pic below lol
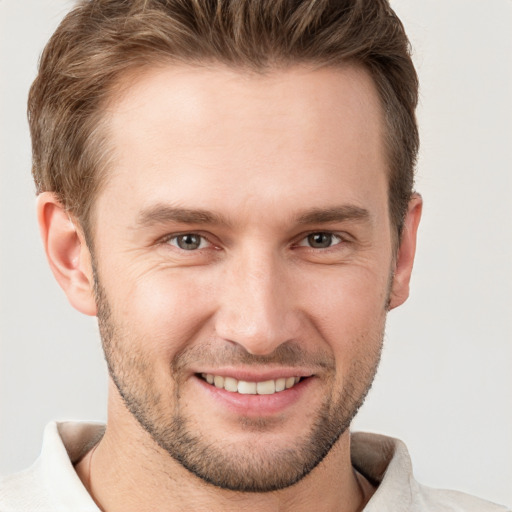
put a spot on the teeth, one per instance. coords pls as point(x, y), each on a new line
point(230, 384)
point(290, 381)
point(218, 381)
point(280, 384)
point(246, 388)
point(267, 387)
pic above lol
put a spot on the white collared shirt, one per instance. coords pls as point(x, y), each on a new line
point(51, 484)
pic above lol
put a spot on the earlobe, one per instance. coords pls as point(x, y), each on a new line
point(67, 253)
point(405, 255)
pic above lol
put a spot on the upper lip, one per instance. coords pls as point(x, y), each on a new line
point(252, 375)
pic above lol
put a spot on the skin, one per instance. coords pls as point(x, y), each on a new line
point(263, 155)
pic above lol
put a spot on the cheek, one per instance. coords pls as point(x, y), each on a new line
point(164, 311)
point(348, 307)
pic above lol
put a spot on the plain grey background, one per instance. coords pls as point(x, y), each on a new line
point(445, 384)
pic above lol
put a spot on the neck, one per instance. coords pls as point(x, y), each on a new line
point(127, 471)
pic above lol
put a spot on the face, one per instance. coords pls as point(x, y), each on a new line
point(243, 259)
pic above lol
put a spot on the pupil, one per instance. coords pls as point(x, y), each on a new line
point(320, 240)
point(189, 242)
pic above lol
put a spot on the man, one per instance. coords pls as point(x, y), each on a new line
point(228, 186)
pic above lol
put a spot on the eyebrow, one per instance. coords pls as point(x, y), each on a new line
point(162, 214)
point(335, 214)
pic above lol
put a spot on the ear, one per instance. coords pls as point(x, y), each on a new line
point(67, 253)
point(406, 251)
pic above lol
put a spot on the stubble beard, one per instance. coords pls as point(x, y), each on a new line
point(228, 466)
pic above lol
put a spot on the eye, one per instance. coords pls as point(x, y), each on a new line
point(189, 241)
point(320, 240)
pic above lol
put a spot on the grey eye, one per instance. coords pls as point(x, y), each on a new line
point(188, 242)
point(321, 240)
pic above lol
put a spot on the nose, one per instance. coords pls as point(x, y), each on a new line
point(256, 304)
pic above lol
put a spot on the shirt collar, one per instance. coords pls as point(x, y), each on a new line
point(384, 461)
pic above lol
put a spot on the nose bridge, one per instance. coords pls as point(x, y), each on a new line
point(255, 307)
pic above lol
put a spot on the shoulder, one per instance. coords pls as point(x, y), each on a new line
point(23, 491)
point(443, 500)
point(386, 463)
point(51, 483)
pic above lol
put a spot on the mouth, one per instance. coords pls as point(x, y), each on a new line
point(242, 387)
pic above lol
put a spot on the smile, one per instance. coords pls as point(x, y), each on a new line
point(267, 387)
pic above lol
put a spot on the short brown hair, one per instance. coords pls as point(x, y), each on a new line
point(100, 40)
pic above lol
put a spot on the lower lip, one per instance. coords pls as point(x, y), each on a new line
point(257, 405)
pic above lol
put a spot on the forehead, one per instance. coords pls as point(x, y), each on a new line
point(217, 97)
point(181, 132)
